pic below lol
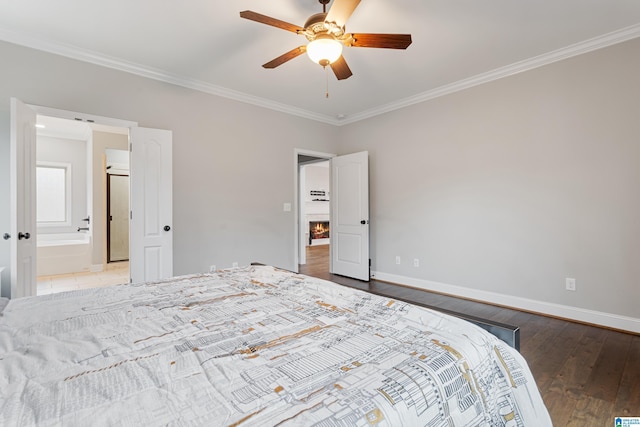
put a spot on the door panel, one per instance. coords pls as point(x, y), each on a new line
point(151, 254)
point(23, 200)
point(348, 250)
point(350, 215)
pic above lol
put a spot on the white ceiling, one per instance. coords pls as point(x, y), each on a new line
point(204, 44)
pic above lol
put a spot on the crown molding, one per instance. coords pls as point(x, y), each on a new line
point(95, 58)
point(84, 55)
point(586, 46)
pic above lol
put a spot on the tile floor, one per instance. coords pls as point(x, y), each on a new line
point(115, 273)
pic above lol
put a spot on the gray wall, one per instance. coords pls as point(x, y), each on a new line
point(512, 186)
point(233, 163)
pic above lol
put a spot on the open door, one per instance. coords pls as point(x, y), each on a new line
point(350, 215)
point(151, 249)
point(23, 200)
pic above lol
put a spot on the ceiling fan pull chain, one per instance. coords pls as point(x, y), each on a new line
point(326, 73)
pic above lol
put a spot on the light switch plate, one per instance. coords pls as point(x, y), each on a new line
point(570, 284)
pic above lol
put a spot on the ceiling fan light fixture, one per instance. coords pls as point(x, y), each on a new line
point(324, 50)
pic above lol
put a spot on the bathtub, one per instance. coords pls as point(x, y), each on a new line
point(63, 253)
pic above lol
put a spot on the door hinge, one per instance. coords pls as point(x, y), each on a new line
point(130, 214)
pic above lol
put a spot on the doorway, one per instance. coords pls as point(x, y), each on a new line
point(117, 218)
point(150, 229)
point(348, 217)
point(313, 207)
point(72, 251)
point(117, 215)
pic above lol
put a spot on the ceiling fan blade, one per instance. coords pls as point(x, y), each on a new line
point(341, 69)
point(341, 10)
point(387, 41)
point(264, 19)
point(285, 57)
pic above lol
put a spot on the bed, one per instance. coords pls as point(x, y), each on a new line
point(254, 346)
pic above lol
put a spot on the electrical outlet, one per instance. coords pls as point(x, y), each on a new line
point(397, 259)
point(234, 265)
point(416, 262)
point(212, 268)
point(570, 284)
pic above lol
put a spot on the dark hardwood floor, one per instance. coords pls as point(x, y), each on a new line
point(586, 375)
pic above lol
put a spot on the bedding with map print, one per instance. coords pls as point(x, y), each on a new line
point(254, 346)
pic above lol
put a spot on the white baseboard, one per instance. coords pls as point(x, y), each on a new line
point(609, 320)
point(96, 268)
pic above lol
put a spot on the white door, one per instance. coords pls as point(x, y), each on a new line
point(151, 249)
point(349, 223)
point(23, 200)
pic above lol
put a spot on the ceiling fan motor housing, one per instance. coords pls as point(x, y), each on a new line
point(316, 25)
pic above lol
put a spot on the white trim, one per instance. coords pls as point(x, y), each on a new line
point(122, 171)
point(310, 153)
point(600, 318)
point(100, 122)
point(96, 58)
point(85, 55)
point(586, 46)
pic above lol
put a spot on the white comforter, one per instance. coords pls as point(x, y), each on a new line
point(255, 347)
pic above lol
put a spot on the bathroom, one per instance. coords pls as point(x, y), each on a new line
point(75, 162)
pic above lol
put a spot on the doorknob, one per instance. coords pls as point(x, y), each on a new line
point(6, 236)
point(22, 235)
point(167, 228)
point(363, 222)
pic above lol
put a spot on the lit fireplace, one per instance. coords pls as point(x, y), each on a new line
point(318, 230)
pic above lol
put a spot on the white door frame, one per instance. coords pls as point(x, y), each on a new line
point(296, 197)
point(90, 118)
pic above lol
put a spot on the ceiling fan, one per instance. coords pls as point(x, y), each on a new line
point(327, 36)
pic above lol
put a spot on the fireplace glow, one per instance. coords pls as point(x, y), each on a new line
point(318, 230)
